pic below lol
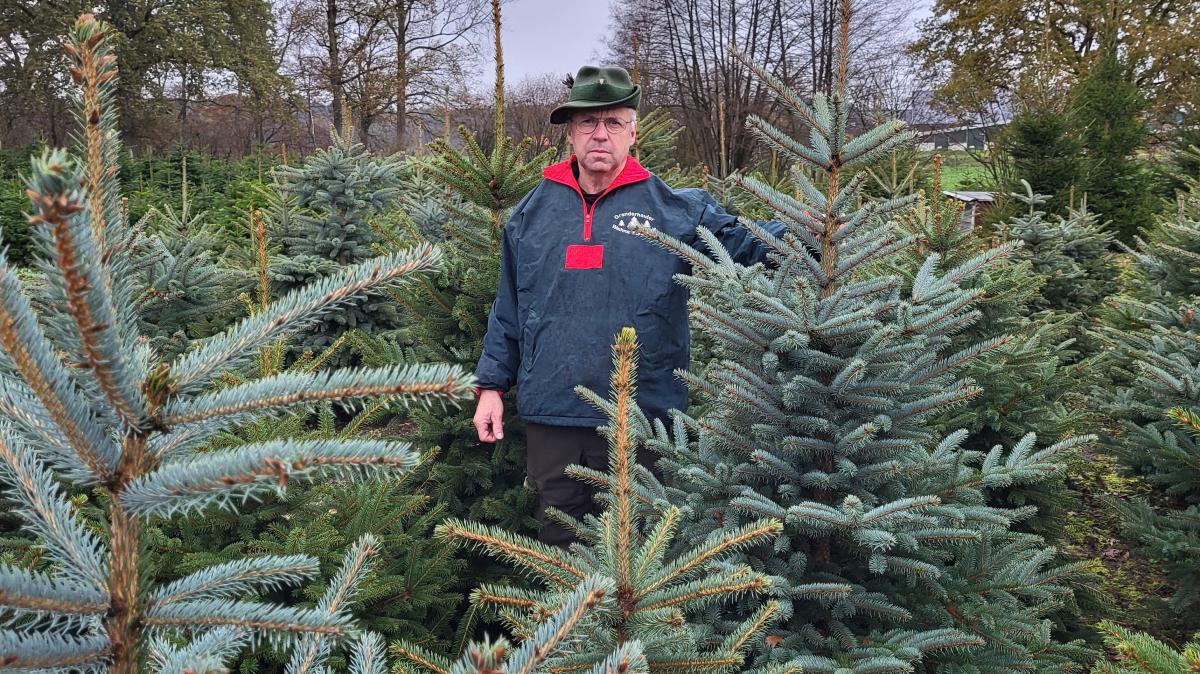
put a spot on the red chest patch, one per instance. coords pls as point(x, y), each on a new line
point(585, 257)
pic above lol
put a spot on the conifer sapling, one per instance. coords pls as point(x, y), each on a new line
point(658, 579)
point(816, 411)
point(87, 401)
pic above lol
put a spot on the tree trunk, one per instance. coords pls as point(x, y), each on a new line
point(56, 135)
point(312, 122)
point(123, 624)
point(183, 103)
point(364, 128)
point(401, 102)
point(335, 65)
point(402, 74)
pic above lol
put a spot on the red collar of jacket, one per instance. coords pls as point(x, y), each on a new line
point(563, 173)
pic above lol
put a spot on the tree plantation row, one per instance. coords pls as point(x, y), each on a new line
point(235, 414)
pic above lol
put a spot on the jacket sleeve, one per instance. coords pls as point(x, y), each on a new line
point(741, 244)
point(497, 368)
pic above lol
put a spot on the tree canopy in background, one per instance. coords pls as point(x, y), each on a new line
point(232, 75)
point(980, 50)
point(679, 52)
point(198, 45)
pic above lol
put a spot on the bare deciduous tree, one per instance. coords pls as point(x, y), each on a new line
point(529, 106)
point(383, 59)
point(434, 44)
point(682, 59)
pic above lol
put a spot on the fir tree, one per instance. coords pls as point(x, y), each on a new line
point(658, 580)
point(90, 404)
point(1045, 151)
point(13, 203)
point(1035, 376)
point(899, 172)
point(558, 636)
point(447, 317)
point(1151, 332)
point(1136, 653)
point(425, 204)
point(211, 650)
point(937, 224)
point(1185, 155)
point(1107, 110)
point(816, 412)
point(1153, 371)
point(186, 291)
point(182, 289)
point(1166, 255)
point(1071, 253)
point(333, 196)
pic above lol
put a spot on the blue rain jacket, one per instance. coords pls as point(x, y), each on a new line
point(571, 277)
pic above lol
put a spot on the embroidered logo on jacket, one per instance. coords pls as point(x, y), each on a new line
point(625, 222)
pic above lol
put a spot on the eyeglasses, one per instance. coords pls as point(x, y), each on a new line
point(611, 124)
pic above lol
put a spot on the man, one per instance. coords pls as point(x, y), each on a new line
point(572, 275)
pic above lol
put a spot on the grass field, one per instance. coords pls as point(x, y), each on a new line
point(961, 172)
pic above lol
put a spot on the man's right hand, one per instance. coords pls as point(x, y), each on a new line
point(489, 416)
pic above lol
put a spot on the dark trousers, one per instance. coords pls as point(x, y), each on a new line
point(548, 452)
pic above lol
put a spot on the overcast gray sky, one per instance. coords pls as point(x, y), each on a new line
point(550, 36)
point(558, 36)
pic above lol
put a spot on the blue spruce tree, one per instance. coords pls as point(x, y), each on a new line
point(1035, 379)
point(186, 291)
point(1071, 252)
point(816, 411)
point(88, 403)
point(324, 209)
point(413, 590)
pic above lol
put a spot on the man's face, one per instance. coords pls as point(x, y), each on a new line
point(602, 138)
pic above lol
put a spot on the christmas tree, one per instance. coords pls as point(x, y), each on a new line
point(425, 204)
point(88, 403)
point(1036, 379)
point(446, 318)
point(1165, 254)
point(555, 638)
point(1108, 110)
point(1152, 397)
point(1071, 253)
point(817, 410)
point(330, 201)
point(182, 289)
point(414, 591)
point(1044, 150)
point(658, 580)
point(185, 290)
point(1136, 653)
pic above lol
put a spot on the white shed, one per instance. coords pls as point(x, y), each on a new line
point(976, 204)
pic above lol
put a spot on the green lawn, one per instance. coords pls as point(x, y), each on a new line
point(961, 172)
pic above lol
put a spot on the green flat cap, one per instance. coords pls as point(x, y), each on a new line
point(595, 88)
